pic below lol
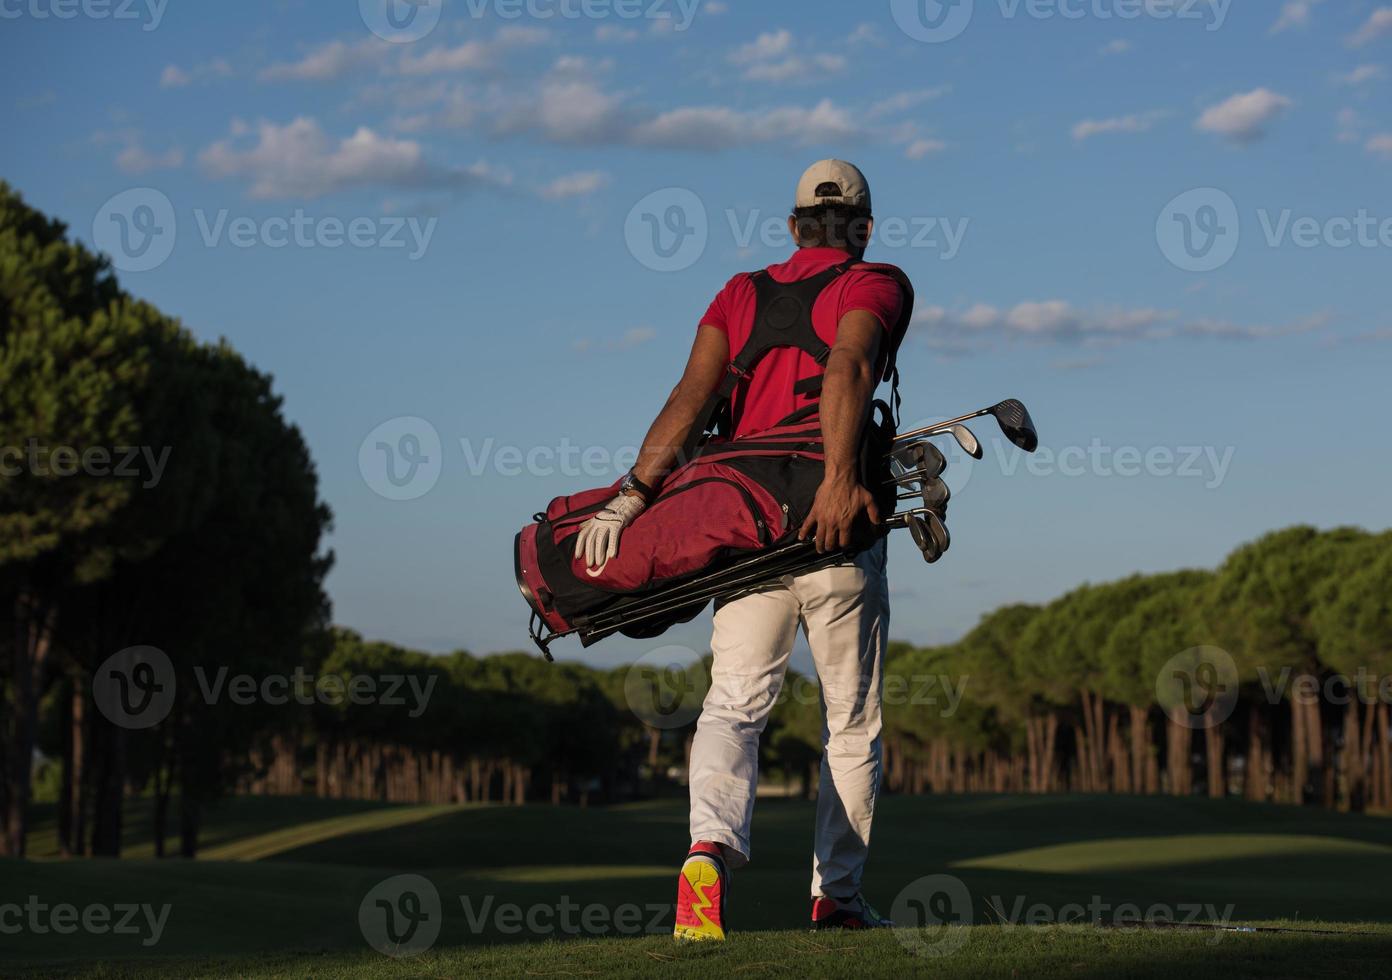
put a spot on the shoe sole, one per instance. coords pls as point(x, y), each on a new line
point(701, 876)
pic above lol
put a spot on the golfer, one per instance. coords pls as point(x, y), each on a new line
point(844, 610)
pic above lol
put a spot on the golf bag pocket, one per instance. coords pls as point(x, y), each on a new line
point(734, 499)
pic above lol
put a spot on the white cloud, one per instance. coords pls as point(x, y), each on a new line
point(1381, 145)
point(330, 61)
point(1361, 75)
point(1244, 117)
point(1059, 322)
point(904, 101)
point(1119, 46)
point(1135, 123)
point(300, 160)
point(772, 57)
point(472, 55)
point(1376, 26)
point(135, 159)
point(175, 77)
point(1294, 13)
point(866, 33)
point(718, 127)
point(633, 337)
point(1350, 123)
point(574, 185)
point(919, 149)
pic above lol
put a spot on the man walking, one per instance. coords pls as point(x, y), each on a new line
point(843, 610)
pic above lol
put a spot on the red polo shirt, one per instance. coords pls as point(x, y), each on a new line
point(767, 397)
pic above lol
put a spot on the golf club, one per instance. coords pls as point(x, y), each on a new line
point(1011, 415)
point(922, 457)
point(935, 494)
point(929, 533)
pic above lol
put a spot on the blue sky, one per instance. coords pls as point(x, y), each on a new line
point(1036, 173)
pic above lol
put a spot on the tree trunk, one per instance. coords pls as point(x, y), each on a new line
point(110, 791)
point(1141, 755)
point(1214, 745)
point(32, 643)
point(1258, 757)
point(1178, 760)
point(1300, 747)
point(1351, 760)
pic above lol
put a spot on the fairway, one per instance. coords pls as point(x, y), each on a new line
point(589, 891)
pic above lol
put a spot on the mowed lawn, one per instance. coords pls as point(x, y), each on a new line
point(1047, 885)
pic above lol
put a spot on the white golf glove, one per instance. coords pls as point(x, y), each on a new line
point(598, 540)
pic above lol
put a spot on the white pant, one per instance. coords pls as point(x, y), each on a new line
point(845, 614)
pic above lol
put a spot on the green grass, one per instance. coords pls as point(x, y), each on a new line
point(279, 889)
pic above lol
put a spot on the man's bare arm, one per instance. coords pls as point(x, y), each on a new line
point(846, 393)
point(710, 353)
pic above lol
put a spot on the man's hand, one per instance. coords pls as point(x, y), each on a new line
point(598, 540)
point(840, 500)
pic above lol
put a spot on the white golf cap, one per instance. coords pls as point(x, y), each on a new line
point(833, 182)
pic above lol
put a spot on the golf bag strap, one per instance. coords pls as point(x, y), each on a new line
point(782, 318)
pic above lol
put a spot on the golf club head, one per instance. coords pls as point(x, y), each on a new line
point(930, 534)
point(921, 460)
point(1016, 423)
point(923, 537)
point(935, 495)
point(967, 440)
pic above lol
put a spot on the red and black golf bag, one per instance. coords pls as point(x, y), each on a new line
point(728, 499)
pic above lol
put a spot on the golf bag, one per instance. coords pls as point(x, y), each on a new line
point(728, 500)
